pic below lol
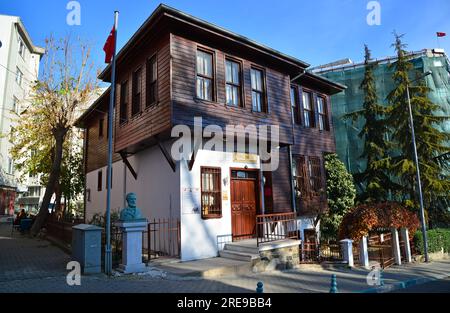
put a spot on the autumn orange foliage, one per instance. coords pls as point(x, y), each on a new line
point(366, 218)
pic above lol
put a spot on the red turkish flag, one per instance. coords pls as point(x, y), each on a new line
point(109, 46)
point(440, 34)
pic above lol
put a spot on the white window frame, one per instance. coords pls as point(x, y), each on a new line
point(19, 77)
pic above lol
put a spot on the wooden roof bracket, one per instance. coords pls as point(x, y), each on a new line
point(123, 155)
point(166, 154)
point(194, 154)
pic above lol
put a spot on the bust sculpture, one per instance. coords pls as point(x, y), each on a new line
point(131, 212)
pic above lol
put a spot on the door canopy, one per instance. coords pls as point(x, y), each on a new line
point(366, 218)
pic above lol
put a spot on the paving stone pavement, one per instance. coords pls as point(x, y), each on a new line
point(24, 258)
point(33, 265)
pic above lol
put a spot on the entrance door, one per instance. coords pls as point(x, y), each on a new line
point(243, 204)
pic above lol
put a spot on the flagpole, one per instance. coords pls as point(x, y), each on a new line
point(108, 255)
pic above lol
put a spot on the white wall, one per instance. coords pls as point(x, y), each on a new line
point(9, 89)
point(157, 187)
point(307, 223)
point(200, 238)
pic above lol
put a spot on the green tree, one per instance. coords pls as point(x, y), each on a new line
point(431, 142)
point(66, 83)
point(374, 179)
point(341, 195)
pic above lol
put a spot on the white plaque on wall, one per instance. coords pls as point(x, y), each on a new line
point(190, 200)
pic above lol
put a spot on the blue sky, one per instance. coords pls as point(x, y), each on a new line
point(317, 31)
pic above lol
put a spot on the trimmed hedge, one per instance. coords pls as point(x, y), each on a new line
point(437, 239)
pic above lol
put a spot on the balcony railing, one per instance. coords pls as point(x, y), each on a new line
point(273, 227)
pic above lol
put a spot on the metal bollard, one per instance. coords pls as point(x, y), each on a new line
point(333, 284)
point(260, 287)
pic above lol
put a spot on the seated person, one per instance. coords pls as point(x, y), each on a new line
point(20, 217)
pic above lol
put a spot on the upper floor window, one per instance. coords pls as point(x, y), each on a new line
point(152, 78)
point(258, 92)
point(124, 102)
point(211, 193)
point(294, 104)
point(19, 77)
point(137, 92)
point(21, 48)
point(308, 111)
point(233, 83)
point(205, 75)
point(323, 114)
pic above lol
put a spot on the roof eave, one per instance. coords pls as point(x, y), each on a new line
point(165, 10)
point(80, 121)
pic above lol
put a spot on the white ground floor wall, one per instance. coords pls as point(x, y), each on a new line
point(204, 238)
point(157, 187)
point(162, 193)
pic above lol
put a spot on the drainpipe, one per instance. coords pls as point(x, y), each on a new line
point(291, 179)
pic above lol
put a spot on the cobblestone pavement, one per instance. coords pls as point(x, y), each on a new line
point(33, 265)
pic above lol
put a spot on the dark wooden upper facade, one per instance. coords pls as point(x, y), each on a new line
point(174, 39)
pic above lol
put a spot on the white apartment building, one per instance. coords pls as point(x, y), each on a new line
point(19, 67)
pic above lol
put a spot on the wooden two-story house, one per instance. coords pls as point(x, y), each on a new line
point(177, 67)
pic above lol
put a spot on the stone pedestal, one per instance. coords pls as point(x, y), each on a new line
point(132, 246)
point(347, 251)
point(364, 253)
point(405, 238)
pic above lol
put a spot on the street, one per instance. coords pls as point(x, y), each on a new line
point(438, 286)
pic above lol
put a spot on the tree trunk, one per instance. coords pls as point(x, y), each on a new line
point(58, 195)
point(59, 135)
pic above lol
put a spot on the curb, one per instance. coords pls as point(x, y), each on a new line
point(403, 285)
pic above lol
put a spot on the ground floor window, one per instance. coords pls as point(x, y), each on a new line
point(211, 193)
point(308, 176)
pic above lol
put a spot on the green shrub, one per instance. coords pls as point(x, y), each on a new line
point(438, 239)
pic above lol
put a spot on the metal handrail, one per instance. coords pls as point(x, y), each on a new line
point(274, 227)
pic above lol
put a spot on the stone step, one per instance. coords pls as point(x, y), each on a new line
point(241, 256)
point(206, 268)
point(241, 248)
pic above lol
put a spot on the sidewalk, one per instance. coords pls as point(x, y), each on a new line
point(33, 265)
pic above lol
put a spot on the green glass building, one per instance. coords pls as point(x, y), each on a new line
point(348, 144)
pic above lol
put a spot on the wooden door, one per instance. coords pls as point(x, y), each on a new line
point(243, 208)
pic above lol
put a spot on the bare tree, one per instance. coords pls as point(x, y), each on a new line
point(66, 84)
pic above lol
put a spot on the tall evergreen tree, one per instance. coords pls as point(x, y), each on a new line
point(374, 179)
point(431, 142)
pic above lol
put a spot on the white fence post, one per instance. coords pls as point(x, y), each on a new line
point(396, 246)
point(405, 238)
point(364, 252)
point(347, 251)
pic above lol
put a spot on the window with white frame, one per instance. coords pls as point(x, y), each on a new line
point(19, 77)
point(233, 84)
point(10, 166)
point(258, 93)
point(21, 48)
point(308, 110)
point(205, 75)
point(323, 114)
point(15, 105)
